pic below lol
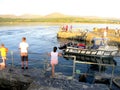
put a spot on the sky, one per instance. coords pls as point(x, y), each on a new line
point(100, 8)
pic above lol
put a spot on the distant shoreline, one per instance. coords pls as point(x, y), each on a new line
point(45, 23)
point(57, 20)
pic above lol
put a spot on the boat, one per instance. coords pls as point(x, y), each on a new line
point(99, 52)
point(71, 44)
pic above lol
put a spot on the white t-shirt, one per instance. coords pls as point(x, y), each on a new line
point(54, 55)
point(23, 47)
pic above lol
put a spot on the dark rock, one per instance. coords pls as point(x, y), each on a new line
point(11, 79)
point(38, 79)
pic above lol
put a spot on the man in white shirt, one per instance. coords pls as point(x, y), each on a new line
point(23, 46)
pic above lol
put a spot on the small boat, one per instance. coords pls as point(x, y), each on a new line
point(102, 53)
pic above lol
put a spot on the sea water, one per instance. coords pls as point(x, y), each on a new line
point(41, 40)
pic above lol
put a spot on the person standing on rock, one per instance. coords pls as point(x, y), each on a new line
point(54, 59)
point(23, 46)
point(3, 51)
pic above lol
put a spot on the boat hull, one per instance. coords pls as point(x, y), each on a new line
point(90, 55)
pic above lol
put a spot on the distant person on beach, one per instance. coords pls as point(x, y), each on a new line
point(23, 46)
point(105, 32)
point(116, 31)
point(54, 59)
point(63, 28)
point(3, 51)
point(70, 28)
point(66, 28)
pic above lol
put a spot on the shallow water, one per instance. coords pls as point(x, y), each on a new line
point(41, 39)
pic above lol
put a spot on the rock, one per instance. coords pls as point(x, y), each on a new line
point(67, 35)
point(12, 79)
point(36, 86)
point(37, 79)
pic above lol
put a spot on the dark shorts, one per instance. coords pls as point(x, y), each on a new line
point(24, 58)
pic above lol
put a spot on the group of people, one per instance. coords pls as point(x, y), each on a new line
point(23, 46)
point(66, 28)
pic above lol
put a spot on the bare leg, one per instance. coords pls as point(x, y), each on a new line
point(26, 63)
point(4, 62)
point(53, 71)
point(26, 57)
point(22, 63)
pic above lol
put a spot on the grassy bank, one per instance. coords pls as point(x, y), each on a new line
point(58, 20)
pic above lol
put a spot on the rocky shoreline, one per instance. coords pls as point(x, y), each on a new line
point(89, 35)
point(13, 78)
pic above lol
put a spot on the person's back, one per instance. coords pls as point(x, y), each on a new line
point(54, 55)
point(3, 51)
point(23, 46)
point(54, 59)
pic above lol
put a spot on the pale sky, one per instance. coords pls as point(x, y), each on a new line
point(102, 8)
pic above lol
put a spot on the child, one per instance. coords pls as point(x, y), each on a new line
point(54, 59)
point(23, 46)
point(3, 51)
